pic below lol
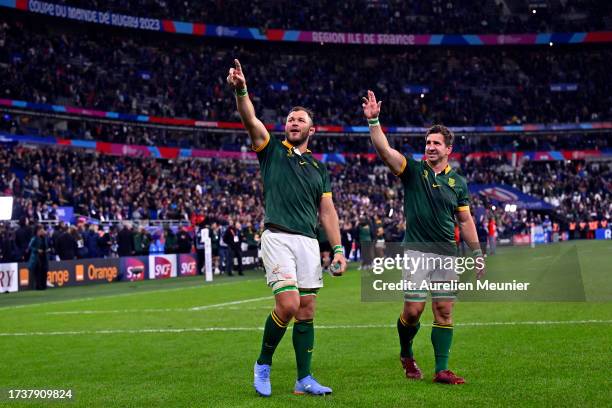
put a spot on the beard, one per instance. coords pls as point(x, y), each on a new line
point(297, 139)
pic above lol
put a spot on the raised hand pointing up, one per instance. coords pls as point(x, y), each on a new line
point(236, 76)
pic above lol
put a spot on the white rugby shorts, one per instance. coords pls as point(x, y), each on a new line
point(291, 257)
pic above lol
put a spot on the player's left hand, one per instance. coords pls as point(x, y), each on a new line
point(481, 267)
point(371, 108)
point(340, 260)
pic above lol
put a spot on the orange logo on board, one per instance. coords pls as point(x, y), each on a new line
point(80, 273)
point(24, 276)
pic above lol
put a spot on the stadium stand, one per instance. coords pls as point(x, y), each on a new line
point(133, 74)
point(415, 16)
point(141, 73)
point(107, 188)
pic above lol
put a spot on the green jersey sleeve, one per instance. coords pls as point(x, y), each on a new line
point(264, 151)
point(327, 192)
point(463, 195)
point(409, 169)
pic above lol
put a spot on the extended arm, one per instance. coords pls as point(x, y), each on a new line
point(470, 236)
point(329, 222)
point(391, 157)
point(257, 131)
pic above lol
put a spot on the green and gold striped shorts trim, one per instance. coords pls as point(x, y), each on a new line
point(309, 292)
point(285, 289)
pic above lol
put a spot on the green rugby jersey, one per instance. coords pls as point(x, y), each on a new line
point(293, 186)
point(430, 204)
point(365, 233)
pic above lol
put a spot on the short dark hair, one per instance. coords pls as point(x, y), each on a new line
point(302, 108)
point(449, 137)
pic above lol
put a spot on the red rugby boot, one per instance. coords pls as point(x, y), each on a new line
point(411, 368)
point(447, 377)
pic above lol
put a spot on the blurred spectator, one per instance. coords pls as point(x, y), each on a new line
point(347, 238)
point(104, 242)
point(232, 238)
point(142, 242)
point(157, 243)
point(66, 244)
point(492, 234)
point(171, 244)
point(215, 240)
point(91, 242)
point(39, 258)
point(8, 246)
point(77, 233)
point(184, 241)
point(23, 236)
point(125, 241)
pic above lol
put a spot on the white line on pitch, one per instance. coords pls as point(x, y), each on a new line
point(161, 310)
point(144, 292)
point(136, 311)
point(235, 302)
point(324, 327)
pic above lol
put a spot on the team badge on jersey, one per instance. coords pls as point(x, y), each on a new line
point(451, 182)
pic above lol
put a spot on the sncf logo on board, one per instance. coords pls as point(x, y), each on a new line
point(187, 265)
point(162, 266)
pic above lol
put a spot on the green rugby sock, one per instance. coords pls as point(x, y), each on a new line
point(406, 335)
point(274, 331)
point(441, 338)
point(303, 344)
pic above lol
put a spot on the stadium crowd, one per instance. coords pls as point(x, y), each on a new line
point(135, 74)
point(152, 74)
point(105, 189)
point(78, 128)
point(413, 16)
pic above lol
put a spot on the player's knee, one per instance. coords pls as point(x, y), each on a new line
point(443, 314)
point(305, 314)
point(287, 309)
point(307, 308)
point(287, 299)
point(412, 312)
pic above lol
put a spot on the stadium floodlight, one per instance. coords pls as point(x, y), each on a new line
point(6, 208)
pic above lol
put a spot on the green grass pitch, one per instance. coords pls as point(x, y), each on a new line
point(141, 345)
